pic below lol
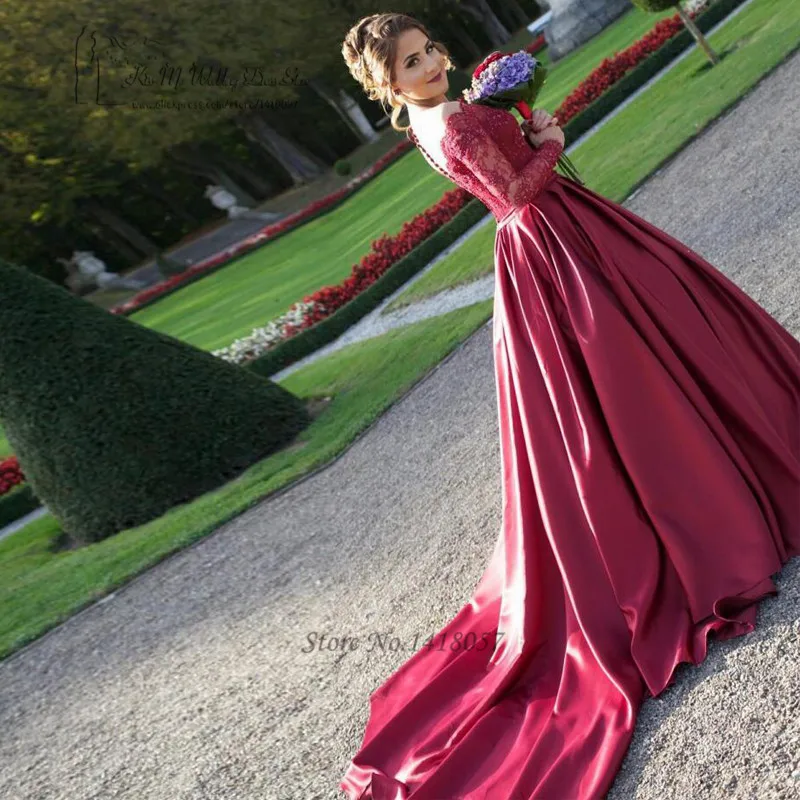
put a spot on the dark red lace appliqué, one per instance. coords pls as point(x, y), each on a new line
point(488, 155)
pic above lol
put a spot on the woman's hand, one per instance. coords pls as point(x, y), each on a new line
point(551, 132)
point(541, 127)
point(539, 120)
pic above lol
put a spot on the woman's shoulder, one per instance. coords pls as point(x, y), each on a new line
point(452, 107)
point(455, 114)
point(468, 116)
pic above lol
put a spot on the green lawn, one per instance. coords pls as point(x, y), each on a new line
point(39, 588)
point(688, 99)
point(651, 129)
point(472, 260)
point(226, 305)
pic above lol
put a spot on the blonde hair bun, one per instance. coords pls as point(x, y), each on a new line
point(369, 50)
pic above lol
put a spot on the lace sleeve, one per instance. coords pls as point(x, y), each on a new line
point(472, 145)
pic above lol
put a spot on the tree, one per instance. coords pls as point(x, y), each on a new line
point(481, 10)
point(656, 6)
point(113, 423)
point(69, 156)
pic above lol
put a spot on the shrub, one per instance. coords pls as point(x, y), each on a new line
point(113, 423)
point(342, 167)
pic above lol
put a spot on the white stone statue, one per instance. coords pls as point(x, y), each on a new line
point(89, 264)
point(221, 198)
point(86, 269)
point(93, 269)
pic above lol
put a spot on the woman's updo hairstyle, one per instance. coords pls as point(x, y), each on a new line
point(369, 50)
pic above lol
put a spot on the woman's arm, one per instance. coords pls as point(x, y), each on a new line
point(472, 145)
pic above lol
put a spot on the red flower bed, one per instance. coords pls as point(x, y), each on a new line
point(266, 233)
point(385, 251)
point(10, 475)
point(613, 69)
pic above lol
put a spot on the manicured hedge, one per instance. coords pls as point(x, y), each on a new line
point(312, 339)
point(115, 423)
point(16, 504)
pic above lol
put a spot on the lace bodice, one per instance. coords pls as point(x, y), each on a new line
point(487, 154)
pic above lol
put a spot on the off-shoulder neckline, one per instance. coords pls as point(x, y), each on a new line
point(461, 104)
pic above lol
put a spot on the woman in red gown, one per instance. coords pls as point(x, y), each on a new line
point(649, 415)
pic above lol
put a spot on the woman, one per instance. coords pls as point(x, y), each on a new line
point(649, 418)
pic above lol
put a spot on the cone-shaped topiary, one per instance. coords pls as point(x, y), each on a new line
point(114, 424)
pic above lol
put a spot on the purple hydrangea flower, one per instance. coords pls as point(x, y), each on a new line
point(503, 74)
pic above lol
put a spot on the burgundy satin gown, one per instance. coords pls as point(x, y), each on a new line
point(649, 415)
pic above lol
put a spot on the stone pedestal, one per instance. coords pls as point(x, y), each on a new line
point(222, 198)
point(576, 21)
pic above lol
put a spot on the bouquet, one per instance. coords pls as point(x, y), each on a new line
point(512, 81)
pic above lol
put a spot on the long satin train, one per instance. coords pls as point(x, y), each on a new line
point(649, 416)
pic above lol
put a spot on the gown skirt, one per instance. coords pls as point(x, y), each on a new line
point(649, 419)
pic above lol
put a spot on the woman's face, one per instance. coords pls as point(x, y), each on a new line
point(418, 62)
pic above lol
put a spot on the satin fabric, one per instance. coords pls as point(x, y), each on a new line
point(649, 415)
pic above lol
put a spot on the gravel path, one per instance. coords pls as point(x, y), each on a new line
point(192, 683)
